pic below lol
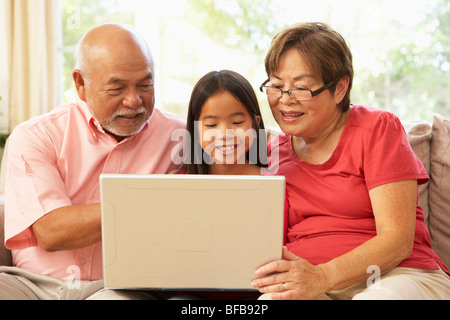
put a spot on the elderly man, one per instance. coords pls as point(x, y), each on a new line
point(52, 210)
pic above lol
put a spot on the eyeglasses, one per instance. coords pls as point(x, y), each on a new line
point(295, 94)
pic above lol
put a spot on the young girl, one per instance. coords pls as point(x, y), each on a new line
point(225, 126)
point(227, 136)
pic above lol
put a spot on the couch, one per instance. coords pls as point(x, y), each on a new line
point(431, 144)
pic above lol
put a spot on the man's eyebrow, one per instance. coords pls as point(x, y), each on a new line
point(114, 80)
point(147, 77)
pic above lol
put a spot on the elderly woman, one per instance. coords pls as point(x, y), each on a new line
point(355, 227)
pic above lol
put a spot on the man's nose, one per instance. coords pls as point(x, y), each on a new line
point(132, 99)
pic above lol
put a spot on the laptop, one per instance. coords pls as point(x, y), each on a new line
point(189, 232)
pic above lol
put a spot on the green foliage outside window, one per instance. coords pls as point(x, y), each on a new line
point(406, 71)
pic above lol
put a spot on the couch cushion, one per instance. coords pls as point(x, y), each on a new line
point(5, 254)
point(419, 137)
point(439, 190)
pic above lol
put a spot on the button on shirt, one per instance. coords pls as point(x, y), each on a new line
point(55, 160)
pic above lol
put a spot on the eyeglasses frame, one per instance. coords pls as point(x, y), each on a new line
point(313, 93)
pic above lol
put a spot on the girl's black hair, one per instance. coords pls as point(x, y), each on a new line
point(234, 83)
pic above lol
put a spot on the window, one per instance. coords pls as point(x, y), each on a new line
point(401, 48)
point(77, 17)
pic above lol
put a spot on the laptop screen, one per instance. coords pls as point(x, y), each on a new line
point(205, 232)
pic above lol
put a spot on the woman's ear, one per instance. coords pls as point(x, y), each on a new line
point(341, 89)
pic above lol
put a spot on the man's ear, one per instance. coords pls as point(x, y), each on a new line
point(341, 89)
point(80, 84)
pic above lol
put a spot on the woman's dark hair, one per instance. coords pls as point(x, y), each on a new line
point(209, 85)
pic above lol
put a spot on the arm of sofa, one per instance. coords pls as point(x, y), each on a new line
point(5, 254)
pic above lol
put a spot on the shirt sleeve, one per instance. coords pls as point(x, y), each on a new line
point(33, 185)
point(388, 155)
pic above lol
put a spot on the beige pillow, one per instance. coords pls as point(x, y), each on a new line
point(419, 137)
point(5, 254)
point(439, 190)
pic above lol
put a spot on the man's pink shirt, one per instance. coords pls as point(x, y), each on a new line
point(55, 160)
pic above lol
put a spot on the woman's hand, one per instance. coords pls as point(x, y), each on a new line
point(292, 278)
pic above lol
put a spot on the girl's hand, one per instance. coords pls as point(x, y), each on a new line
point(292, 278)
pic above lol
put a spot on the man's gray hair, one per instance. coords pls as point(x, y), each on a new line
point(80, 59)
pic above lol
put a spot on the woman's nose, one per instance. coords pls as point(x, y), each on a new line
point(286, 98)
